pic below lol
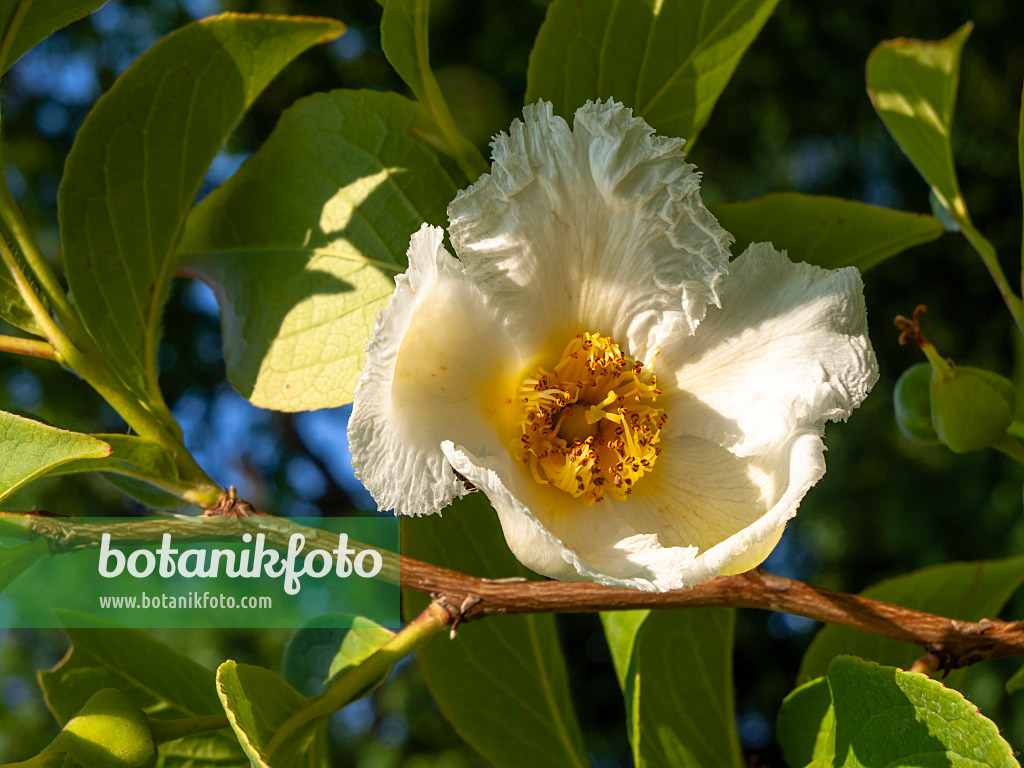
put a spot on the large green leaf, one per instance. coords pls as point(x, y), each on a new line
point(137, 163)
point(669, 60)
point(827, 231)
point(37, 20)
point(501, 682)
point(160, 679)
point(887, 717)
point(258, 702)
point(302, 245)
point(31, 450)
point(912, 84)
point(806, 726)
point(675, 670)
point(964, 591)
point(404, 31)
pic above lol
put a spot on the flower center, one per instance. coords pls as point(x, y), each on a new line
point(588, 425)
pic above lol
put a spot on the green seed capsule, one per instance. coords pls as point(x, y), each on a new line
point(110, 731)
point(972, 408)
point(912, 402)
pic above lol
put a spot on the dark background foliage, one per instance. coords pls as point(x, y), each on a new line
point(795, 117)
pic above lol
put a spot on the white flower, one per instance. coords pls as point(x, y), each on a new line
point(637, 416)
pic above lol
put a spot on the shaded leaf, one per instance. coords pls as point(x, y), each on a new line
point(302, 245)
point(137, 163)
point(885, 716)
point(137, 466)
point(806, 726)
point(667, 662)
point(669, 60)
point(13, 309)
point(32, 450)
point(161, 680)
point(827, 231)
point(965, 591)
point(258, 702)
point(404, 29)
point(502, 682)
point(17, 559)
point(912, 84)
point(37, 20)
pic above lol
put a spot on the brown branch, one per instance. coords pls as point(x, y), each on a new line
point(954, 643)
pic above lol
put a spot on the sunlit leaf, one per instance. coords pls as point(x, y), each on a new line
point(964, 591)
point(31, 450)
point(258, 703)
point(501, 682)
point(827, 231)
point(675, 671)
point(137, 163)
point(302, 245)
point(669, 60)
point(913, 84)
point(887, 717)
point(316, 654)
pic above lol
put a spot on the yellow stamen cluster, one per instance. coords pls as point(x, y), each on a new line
point(588, 425)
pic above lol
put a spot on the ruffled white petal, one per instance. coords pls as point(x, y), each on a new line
point(434, 347)
point(600, 228)
point(709, 513)
point(787, 350)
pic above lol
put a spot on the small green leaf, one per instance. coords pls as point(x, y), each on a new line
point(258, 703)
point(1016, 681)
point(964, 591)
point(137, 163)
point(827, 231)
point(501, 682)
point(885, 716)
point(669, 60)
point(404, 31)
point(806, 727)
point(17, 559)
point(303, 244)
point(912, 84)
point(37, 20)
point(141, 468)
point(32, 450)
point(675, 670)
point(161, 680)
point(13, 309)
point(317, 654)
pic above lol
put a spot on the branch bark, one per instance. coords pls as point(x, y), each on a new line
point(954, 643)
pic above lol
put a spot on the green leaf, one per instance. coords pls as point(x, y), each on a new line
point(15, 560)
point(404, 39)
point(137, 163)
point(258, 702)
point(1020, 162)
point(827, 231)
point(806, 727)
point(964, 591)
point(303, 244)
point(912, 84)
point(675, 670)
point(13, 309)
point(1016, 681)
point(37, 20)
point(161, 680)
point(32, 450)
point(501, 682)
point(316, 654)
point(885, 716)
point(669, 60)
